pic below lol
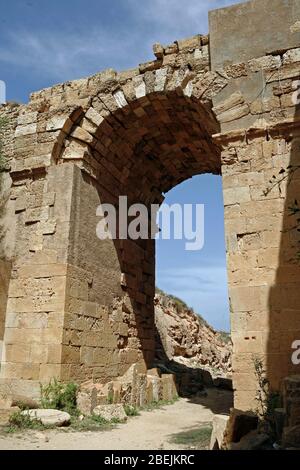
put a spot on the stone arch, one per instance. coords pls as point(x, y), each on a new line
point(61, 319)
point(140, 148)
point(162, 138)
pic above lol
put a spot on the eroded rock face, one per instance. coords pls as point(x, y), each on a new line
point(184, 337)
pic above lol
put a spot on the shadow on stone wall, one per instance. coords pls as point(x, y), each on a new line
point(284, 297)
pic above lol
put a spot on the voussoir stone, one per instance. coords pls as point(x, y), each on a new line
point(49, 417)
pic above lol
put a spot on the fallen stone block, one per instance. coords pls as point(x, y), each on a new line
point(239, 424)
point(49, 417)
point(217, 436)
point(111, 412)
point(86, 402)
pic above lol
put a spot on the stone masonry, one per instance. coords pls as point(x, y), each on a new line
point(78, 308)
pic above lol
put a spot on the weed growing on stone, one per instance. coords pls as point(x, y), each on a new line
point(131, 410)
point(92, 423)
point(59, 396)
point(267, 399)
point(19, 422)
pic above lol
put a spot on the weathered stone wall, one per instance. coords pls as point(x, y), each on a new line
point(81, 308)
point(259, 120)
point(7, 229)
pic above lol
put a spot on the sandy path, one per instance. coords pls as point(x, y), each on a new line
point(149, 431)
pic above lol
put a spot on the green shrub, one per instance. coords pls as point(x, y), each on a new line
point(267, 400)
point(19, 421)
point(59, 396)
point(131, 410)
point(92, 423)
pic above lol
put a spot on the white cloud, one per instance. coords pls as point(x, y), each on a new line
point(173, 19)
point(203, 288)
point(61, 55)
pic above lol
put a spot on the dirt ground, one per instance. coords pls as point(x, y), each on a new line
point(172, 427)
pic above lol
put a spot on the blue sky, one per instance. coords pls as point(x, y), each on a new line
point(44, 42)
point(198, 277)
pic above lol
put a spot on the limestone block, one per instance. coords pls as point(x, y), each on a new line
point(171, 49)
point(140, 87)
point(111, 412)
point(16, 353)
point(245, 381)
point(87, 401)
point(285, 72)
point(83, 135)
point(236, 195)
point(234, 100)
point(94, 116)
point(239, 424)
point(288, 100)
point(28, 129)
point(128, 74)
point(149, 67)
point(27, 118)
point(49, 227)
point(76, 149)
point(49, 198)
point(19, 388)
point(237, 70)
point(88, 126)
point(202, 54)
point(39, 353)
point(167, 387)
point(266, 62)
point(49, 417)
point(87, 355)
point(160, 79)
point(293, 55)
point(189, 43)
point(264, 105)
point(217, 437)
point(48, 371)
point(249, 342)
point(233, 114)
point(158, 50)
point(245, 400)
point(120, 99)
point(59, 122)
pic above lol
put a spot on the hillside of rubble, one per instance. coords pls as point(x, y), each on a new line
point(187, 344)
